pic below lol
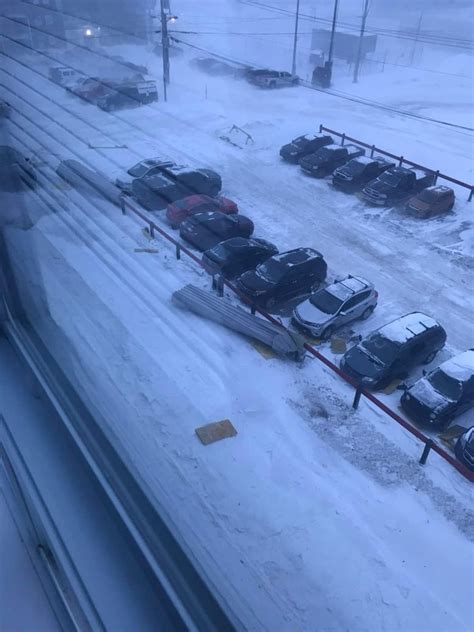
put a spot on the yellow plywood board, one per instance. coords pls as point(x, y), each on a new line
point(152, 251)
point(390, 388)
point(210, 433)
point(263, 350)
point(338, 345)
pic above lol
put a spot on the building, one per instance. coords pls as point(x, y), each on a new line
point(37, 24)
point(346, 44)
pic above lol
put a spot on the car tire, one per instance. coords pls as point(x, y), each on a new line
point(430, 357)
point(327, 333)
point(367, 313)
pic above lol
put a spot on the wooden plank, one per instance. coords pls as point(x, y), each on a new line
point(390, 388)
point(453, 432)
point(152, 251)
point(265, 351)
point(338, 345)
point(216, 431)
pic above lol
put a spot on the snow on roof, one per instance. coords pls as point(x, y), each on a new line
point(363, 160)
point(333, 146)
point(419, 173)
point(439, 188)
point(461, 367)
point(292, 257)
point(353, 148)
point(407, 326)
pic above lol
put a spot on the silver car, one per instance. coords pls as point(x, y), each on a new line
point(335, 305)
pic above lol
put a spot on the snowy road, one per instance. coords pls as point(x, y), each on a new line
point(314, 512)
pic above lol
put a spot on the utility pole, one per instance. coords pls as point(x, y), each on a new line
point(361, 41)
point(165, 49)
point(293, 65)
point(417, 35)
point(333, 31)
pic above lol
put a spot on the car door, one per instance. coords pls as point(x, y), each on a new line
point(352, 308)
point(467, 398)
point(419, 348)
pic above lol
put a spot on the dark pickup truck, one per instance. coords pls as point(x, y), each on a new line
point(304, 145)
point(357, 172)
point(396, 185)
point(325, 160)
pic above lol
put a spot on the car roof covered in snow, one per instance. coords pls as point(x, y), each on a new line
point(347, 287)
point(460, 367)
point(363, 160)
point(438, 189)
point(407, 327)
point(420, 173)
point(296, 256)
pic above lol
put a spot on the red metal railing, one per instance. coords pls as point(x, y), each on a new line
point(127, 203)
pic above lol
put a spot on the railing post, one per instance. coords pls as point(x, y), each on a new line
point(220, 285)
point(320, 128)
point(372, 149)
point(436, 176)
point(426, 451)
point(400, 161)
point(470, 194)
point(358, 393)
point(152, 231)
point(122, 205)
point(253, 309)
point(343, 138)
point(178, 251)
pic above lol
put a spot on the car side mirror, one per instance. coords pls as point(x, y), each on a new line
point(402, 387)
point(343, 313)
point(27, 159)
point(425, 372)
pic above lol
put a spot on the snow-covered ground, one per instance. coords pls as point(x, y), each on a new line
point(314, 512)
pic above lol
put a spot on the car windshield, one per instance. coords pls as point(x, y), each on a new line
point(301, 142)
point(354, 167)
point(446, 384)
point(272, 270)
point(392, 179)
point(381, 348)
point(138, 170)
point(326, 302)
point(428, 196)
point(326, 152)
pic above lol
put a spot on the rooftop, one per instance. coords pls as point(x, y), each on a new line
point(407, 327)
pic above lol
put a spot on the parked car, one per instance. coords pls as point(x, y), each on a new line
point(128, 95)
point(16, 171)
point(172, 183)
point(431, 201)
point(393, 350)
point(325, 160)
point(180, 210)
point(4, 109)
point(91, 88)
point(137, 69)
point(206, 230)
point(357, 172)
point(272, 78)
point(464, 448)
point(143, 169)
point(63, 75)
point(396, 185)
point(444, 393)
point(335, 305)
point(304, 145)
point(213, 66)
point(284, 277)
point(238, 255)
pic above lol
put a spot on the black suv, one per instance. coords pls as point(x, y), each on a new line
point(206, 230)
point(235, 256)
point(173, 183)
point(284, 277)
point(444, 393)
point(393, 350)
point(304, 145)
point(328, 158)
point(357, 172)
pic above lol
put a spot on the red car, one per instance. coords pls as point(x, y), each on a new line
point(180, 210)
point(431, 201)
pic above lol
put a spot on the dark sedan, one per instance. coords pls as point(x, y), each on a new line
point(235, 256)
point(184, 208)
point(173, 183)
point(283, 278)
point(206, 230)
point(303, 146)
point(355, 174)
point(325, 160)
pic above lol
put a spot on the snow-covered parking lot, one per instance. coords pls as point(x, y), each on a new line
point(315, 516)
